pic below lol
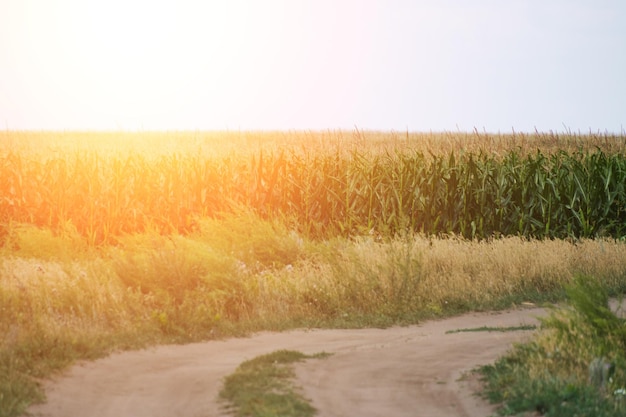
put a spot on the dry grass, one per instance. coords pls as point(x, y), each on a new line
point(436, 275)
point(238, 278)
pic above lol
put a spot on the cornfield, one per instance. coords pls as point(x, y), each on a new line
point(344, 189)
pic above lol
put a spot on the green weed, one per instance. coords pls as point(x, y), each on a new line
point(494, 329)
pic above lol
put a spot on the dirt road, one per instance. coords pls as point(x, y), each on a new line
point(401, 371)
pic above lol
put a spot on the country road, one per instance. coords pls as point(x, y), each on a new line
point(400, 371)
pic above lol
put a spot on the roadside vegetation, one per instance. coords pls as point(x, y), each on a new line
point(576, 364)
point(105, 247)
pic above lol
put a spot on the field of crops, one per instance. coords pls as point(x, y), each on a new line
point(321, 183)
point(114, 240)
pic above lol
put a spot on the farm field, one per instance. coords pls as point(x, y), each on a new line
point(114, 241)
point(320, 184)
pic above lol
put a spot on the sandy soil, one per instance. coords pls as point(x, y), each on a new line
point(402, 371)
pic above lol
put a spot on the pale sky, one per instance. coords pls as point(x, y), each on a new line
point(420, 65)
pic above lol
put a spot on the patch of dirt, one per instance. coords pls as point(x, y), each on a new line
point(400, 371)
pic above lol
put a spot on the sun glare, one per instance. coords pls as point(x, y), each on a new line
point(152, 54)
point(307, 64)
point(165, 64)
point(161, 65)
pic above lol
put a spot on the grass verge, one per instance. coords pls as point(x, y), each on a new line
point(261, 387)
point(575, 366)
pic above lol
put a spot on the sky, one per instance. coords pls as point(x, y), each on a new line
point(418, 65)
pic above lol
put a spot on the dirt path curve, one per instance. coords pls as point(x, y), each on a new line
point(401, 371)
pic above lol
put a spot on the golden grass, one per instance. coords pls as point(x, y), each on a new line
point(436, 275)
point(119, 288)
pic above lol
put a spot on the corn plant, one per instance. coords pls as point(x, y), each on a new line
point(323, 192)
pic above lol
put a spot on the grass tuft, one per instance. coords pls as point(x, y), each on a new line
point(262, 387)
point(494, 329)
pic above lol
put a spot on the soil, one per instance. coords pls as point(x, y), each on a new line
point(401, 371)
